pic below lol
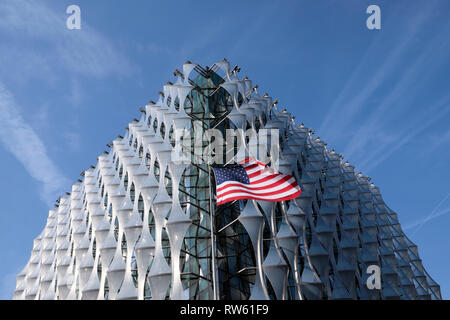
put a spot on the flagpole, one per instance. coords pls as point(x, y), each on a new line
point(213, 239)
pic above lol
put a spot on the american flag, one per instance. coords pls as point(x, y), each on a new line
point(252, 179)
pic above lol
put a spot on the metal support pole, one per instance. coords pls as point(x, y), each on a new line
point(213, 241)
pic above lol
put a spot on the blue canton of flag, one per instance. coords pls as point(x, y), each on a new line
point(231, 172)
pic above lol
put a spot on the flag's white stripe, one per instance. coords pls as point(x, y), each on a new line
point(272, 197)
point(281, 186)
point(255, 180)
point(245, 165)
point(259, 185)
point(263, 175)
point(255, 169)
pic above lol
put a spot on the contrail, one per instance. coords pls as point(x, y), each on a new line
point(433, 214)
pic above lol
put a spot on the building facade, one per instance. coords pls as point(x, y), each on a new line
point(143, 223)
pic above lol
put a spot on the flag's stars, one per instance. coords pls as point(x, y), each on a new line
point(231, 173)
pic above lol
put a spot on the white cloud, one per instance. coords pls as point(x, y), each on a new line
point(19, 138)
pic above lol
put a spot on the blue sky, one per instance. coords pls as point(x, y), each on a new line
point(379, 97)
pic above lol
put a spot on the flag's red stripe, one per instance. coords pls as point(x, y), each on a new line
point(252, 166)
point(291, 186)
point(272, 176)
point(248, 164)
point(255, 174)
point(295, 195)
point(251, 186)
point(257, 184)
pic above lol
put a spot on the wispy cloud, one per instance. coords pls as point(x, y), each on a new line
point(83, 52)
point(422, 122)
point(436, 141)
point(19, 138)
point(262, 14)
point(76, 93)
point(348, 105)
point(435, 213)
point(73, 140)
point(154, 48)
point(397, 102)
point(383, 124)
point(36, 45)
